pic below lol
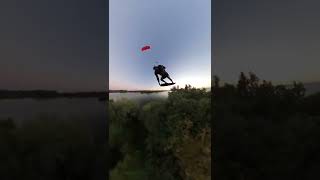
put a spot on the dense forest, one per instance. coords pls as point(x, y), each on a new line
point(260, 131)
point(167, 139)
point(265, 131)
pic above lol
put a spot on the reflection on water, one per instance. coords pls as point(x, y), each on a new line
point(24, 109)
point(138, 96)
point(89, 109)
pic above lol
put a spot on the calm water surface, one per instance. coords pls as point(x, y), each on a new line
point(23, 109)
point(64, 108)
point(138, 96)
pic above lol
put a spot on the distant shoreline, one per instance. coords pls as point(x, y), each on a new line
point(136, 91)
point(51, 94)
point(47, 94)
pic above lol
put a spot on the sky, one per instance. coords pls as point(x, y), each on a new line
point(56, 45)
point(61, 45)
point(179, 33)
point(277, 40)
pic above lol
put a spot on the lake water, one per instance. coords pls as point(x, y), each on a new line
point(23, 109)
point(66, 108)
point(76, 110)
point(138, 96)
point(90, 111)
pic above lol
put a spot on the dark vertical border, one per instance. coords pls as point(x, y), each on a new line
point(107, 85)
point(212, 74)
point(102, 157)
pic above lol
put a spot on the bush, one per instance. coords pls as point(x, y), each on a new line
point(46, 148)
point(163, 139)
point(265, 131)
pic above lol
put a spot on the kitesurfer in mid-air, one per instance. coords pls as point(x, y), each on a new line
point(160, 70)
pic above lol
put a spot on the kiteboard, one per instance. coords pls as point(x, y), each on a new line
point(167, 84)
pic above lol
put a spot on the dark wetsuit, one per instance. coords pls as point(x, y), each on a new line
point(160, 70)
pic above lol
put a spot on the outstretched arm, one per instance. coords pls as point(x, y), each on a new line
point(157, 77)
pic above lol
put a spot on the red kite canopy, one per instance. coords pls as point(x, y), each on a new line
point(145, 48)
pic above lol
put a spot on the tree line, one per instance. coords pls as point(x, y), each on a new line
point(265, 131)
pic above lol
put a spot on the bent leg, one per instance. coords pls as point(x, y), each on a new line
point(163, 80)
point(170, 79)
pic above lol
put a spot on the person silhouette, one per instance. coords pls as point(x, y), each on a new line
point(160, 70)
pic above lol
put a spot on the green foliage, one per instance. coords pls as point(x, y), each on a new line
point(163, 140)
point(265, 131)
point(47, 148)
point(130, 168)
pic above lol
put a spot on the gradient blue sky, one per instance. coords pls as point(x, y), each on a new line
point(179, 33)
